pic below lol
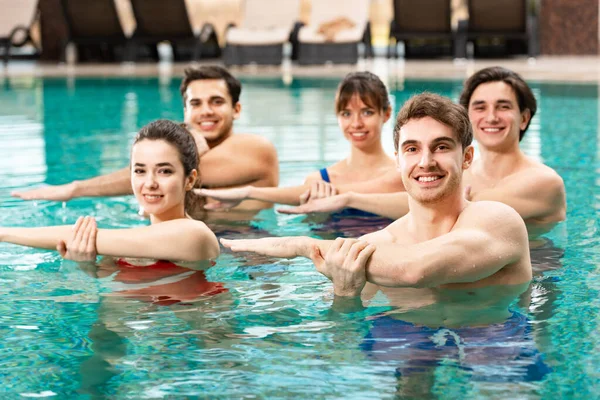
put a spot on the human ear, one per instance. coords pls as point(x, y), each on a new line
point(468, 156)
point(237, 108)
point(525, 117)
point(190, 180)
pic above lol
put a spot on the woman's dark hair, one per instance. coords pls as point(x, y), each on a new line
point(369, 88)
point(211, 72)
point(180, 138)
point(525, 97)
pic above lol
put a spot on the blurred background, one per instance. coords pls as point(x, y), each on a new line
point(304, 31)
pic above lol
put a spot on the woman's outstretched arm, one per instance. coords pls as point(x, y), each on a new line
point(176, 240)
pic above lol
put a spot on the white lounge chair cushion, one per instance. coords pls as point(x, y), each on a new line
point(309, 34)
point(244, 36)
point(323, 11)
point(16, 13)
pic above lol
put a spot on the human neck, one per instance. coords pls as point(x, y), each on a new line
point(428, 221)
point(371, 157)
point(499, 164)
point(171, 214)
point(214, 143)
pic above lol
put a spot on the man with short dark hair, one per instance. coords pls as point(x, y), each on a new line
point(439, 242)
point(211, 104)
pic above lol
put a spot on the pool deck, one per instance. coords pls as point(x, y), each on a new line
point(558, 69)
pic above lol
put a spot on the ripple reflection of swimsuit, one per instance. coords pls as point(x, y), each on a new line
point(346, 212)
point(164, 282)
point(496, 353)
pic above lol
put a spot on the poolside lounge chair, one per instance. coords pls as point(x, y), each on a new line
point(507, 20)
point(95, 25)
point(336, 28)
point(160, 20)
point(424, 26)
point(15, 20)
point(266, 26)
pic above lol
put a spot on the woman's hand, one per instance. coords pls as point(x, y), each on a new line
point(318, 190)
point(324, 205)
point(82, 245)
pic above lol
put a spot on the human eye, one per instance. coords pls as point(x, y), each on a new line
point(138, 171)
point(345, 113)
point(218, 101)
point(410, 149)
point(368, 112)
point(165, 171)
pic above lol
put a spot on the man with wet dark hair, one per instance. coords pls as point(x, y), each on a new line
point(211, 104)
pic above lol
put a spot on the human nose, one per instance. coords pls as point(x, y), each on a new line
point(426, 159)
point(205, 109)
point(150, 181)
point(491, 115)
point(356, 120)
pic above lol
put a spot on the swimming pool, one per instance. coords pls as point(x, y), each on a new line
point(268, 330)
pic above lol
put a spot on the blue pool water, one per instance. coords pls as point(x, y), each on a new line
point(266, 328)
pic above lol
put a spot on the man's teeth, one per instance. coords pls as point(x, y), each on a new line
point(207, 123)
point(428, 178)
point(491, 130)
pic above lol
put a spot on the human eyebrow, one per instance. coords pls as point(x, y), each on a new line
point(137, 164)
point(164, 164)
point(443, 139)
point(409, 143)
point(476, 103)
point(504, 102)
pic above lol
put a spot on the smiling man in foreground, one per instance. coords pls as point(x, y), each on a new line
point(444, 241)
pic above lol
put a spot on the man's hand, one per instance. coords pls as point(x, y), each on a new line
point(324, 205)
point(82, 245)
point(227, 198)
point(55, 193)
point(283, 247)
point(318, 190)
point(345, 265)
point(201, 143)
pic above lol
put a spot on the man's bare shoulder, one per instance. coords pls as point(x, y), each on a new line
point(538, 179)
point(249, 141)
point(390, 234)
point(492, 214)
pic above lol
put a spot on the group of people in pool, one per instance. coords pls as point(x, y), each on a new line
point(460, 222)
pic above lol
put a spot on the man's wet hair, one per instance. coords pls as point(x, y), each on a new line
point(441, 109)
point(203, 72)
point(367, 86)
point(525, 97)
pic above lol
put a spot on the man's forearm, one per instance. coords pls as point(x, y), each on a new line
point(114, 184)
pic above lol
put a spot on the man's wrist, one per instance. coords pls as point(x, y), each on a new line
point(305, 247)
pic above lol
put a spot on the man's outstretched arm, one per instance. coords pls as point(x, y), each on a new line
point(114, 184)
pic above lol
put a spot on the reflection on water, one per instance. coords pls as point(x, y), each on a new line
point(257, 326)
